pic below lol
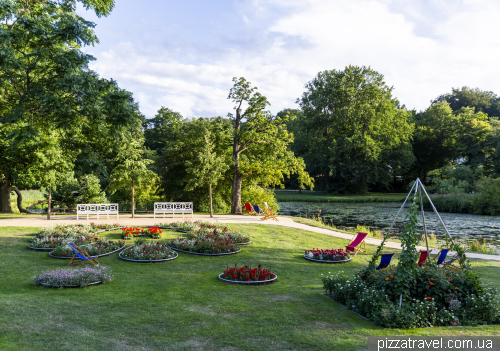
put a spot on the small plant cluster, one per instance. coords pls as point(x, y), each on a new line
point(99, 247)
point(440, 296)
point(74, 277)
point(104, 226)
point(327, 255)
point(154, 232)
point(52, 242)
point(147, 251)
point(476, 246)
point(204, 245)
point(246, 273)
point(131, 232)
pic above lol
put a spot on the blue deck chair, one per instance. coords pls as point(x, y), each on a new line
point(441, 256)
point(257, 209)
point(454, 258)
point(385, 261)
point(81, 256)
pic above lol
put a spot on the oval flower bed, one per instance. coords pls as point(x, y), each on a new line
point(327, 256)
point(209, 231)
point(148, 252)
point(105, 227)
point(129, 232)
point(102, 247)
point(248, 276)
point(74, 277)
point(49, 243)
point(204, 246)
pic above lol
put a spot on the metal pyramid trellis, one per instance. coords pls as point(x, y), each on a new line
point(417, 187)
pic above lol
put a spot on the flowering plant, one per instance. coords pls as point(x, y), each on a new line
point(104, 226)
point(203, 245)
point(147, 251)
point(79, 276)
point(154, 232)
point(130, 232)
point(99, 247)
point(52, 242)
point(246, 273)
point(327, 255)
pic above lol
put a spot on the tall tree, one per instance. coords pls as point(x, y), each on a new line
point(45, 85)
point(260, 143)
point(350, 124)
point(207, 169)
point(482, 101)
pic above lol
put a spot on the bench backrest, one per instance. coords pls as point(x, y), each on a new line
point(173, 206)
point(97, 208)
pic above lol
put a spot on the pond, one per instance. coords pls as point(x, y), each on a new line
point(381, 215)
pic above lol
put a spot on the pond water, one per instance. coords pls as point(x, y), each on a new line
point(381, 215)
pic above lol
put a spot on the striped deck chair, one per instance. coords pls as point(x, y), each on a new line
point(81, 256)
point(385, 261)
point(269, 213)
point(250, 209)
point(423, 257)
point(353, 245)
point(257, 210)
point(441, 256)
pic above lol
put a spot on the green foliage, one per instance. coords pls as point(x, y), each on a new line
point(90, 190)
point(63, 194)
point(482, 101)
point(257, 195)
point(352, 129)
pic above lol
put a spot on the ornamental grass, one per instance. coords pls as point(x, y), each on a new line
point(246, 273)
point(74, 276)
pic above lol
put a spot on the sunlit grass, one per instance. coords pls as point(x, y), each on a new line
point(180, 305)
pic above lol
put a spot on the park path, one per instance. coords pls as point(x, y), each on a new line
point(148, 220)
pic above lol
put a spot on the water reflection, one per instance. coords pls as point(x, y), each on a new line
point(381, 215)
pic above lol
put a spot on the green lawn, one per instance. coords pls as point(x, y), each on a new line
point(317, 196)
point(180, 305)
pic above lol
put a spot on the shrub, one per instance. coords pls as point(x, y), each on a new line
point(257, 195)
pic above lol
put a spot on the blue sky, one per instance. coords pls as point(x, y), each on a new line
point(183, 54)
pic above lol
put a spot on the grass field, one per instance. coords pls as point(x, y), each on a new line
point(180, 305)
point(316, 196)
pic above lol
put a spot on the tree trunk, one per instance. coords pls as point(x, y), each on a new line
point(133, 200)
point(19, 200)
point(5, 194)
point(236, 199)
point(210, 196)
point(50, 203)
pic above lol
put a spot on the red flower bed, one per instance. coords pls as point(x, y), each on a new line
point(246, 273)
point(130, 232)
point(154, 232)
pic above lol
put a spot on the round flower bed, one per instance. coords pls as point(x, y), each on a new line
point(148, 252)
point(105, 227)
point(130, 232)
point(248, 276)
point(102, 247)
point(204, 246)
point(49, 243)
point(327, 256)
point(74, 277)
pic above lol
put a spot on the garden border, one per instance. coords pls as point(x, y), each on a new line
point(70, 286)
point(148, 261)
point(325, 261)
point(106, 254)
point(255, 282)
point(205, 254)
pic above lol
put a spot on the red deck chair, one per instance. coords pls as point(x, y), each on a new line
point(250, 209)
point(353, 245)
point(423, 257)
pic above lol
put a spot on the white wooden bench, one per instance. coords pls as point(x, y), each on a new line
point(97, 209)
point(173, 208)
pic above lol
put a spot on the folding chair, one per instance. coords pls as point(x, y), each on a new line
point(82, 255)
point(441, 256)
point(257, 210)
point(353, 245)
point(385, 261)
point(423, 257)
point(454, 258)
point(250, 210)
point(269, 213)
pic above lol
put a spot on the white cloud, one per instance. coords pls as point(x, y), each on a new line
point(280, 45)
